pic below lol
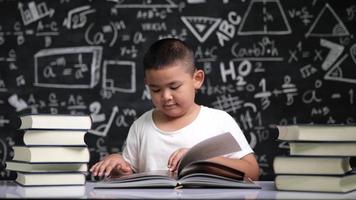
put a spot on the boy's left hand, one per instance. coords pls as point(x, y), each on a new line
point(175, 158)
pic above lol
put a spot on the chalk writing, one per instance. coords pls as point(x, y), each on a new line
point(266, 62)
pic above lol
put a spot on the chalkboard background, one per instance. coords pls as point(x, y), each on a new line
point(267, 62)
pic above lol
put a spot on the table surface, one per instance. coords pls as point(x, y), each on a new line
point(9, 189)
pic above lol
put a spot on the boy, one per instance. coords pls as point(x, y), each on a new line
point(160, 137)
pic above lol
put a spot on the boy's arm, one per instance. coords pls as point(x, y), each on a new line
point(247, 164)
point(113, 164)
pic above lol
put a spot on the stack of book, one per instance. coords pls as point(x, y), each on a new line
point(52, 150)
point(319, 159)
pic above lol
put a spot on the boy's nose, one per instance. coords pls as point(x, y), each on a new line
point(166, 95)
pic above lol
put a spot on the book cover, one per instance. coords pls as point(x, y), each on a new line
point(51, 121)
point(51, 154)
point(317, 183)
point(323, 148)
point(50, 179)
point(327, 132)
point(47, 137)
point(22, 166)
point(316, 165)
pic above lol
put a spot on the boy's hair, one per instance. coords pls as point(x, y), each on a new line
point(165, 52)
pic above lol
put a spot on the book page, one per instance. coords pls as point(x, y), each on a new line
point(216, 146)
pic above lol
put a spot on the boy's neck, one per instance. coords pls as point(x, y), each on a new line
point(166, 123)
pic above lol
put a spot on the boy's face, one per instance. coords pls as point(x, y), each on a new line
point(173, 88)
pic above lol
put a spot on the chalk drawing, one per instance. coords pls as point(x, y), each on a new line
point(308, 70)
point(95, 108)
point(336, 72)
point(17, 102)
point(119, 76)
point(101, 34)
point(103, 129)
point(263, 50)
point(71, 67)
point(310, 96)
point(228, 103)
point(2, 86)
point(34, 12)
point(264, 95)
point(264, 17)
point(146, 4)
point(196, 1)
point(253, 140)
point(327, 24)
point(3, 121)
point(353, 52)
point(76, 17)
point(201, 27)
point(334, 53)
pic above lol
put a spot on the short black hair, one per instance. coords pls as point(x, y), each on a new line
point(166, 51)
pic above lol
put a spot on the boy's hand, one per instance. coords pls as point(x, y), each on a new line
point(175, 158)
point(113, 164)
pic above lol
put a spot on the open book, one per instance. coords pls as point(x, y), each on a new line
point(194, 170)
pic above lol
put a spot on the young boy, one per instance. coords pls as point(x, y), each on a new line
point(160, 137)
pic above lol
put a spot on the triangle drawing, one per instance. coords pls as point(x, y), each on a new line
point(327, 24)
point(264, 17)
point(336, 73)
point(201, 27)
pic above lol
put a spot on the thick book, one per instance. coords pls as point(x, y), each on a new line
point(317, 183)
point(57, 192)
point(323, 148)
point(20, 166)
point(53, 137)
point(311, 165)
point(50, 179)
point(51, 121)
point(51, 154)
point(317, 133)
point(194, 170)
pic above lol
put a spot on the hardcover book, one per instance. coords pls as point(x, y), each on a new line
point(194, 170)
point(327, 132)
point(21, 166)
point(53, 137)
point(51, 121)
point(317, 183)
point(311, 165)
point(50, 154)
point(323, 148)
point(50, 179)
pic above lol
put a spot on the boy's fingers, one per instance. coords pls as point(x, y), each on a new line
point(108, 169)
point(95, 168)
point(102, 168)
point(174, 163)
point(171, 158)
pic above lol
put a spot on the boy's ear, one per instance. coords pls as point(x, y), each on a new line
point(199, 76)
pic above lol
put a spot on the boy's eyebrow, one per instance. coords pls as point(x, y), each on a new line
point(152, 85)
point(171, 83)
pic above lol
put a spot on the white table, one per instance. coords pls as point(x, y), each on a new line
point(9, 189)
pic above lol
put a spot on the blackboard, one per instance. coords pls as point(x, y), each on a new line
point(267, 62)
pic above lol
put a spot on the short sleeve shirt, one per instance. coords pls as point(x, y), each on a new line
point(148, 148)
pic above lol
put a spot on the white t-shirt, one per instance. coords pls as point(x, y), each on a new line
point(148, 148)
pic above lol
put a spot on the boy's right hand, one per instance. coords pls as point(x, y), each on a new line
point(113, 164)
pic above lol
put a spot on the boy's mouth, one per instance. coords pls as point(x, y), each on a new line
point(169, 106)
